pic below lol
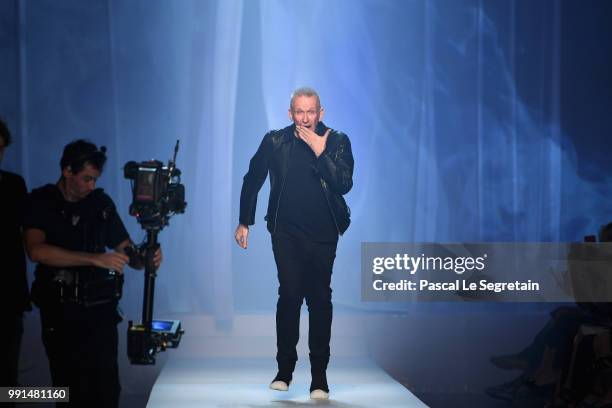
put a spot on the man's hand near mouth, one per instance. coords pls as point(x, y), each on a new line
point(317, 143)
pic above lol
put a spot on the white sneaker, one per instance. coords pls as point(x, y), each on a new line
point(279, 386)
point(319, 395)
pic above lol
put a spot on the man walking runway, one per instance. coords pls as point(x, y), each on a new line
point(311, 168)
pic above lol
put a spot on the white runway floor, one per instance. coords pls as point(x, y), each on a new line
point(233, 366)
point(243, 382)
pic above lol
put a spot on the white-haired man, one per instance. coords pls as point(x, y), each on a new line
point(311, 168)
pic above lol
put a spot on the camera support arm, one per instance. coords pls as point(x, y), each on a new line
point(151, 245)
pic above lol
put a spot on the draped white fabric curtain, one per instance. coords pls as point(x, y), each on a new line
point(453, 110)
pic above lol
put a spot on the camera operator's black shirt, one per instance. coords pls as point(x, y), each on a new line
point(14, 294)
point(303, 210)
point(89, 225)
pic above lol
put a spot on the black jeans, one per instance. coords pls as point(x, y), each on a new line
point(82, 355)
point(304, 271)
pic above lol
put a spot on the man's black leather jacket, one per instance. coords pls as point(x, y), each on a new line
point(334, 166)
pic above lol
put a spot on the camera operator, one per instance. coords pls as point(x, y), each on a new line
point(68, 227)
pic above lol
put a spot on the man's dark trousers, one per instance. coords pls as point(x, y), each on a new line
point(304, 271)
point(83, 352)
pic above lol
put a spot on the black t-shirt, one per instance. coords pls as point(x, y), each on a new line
point(14, 294)
point(89, 225)
point(303, 210)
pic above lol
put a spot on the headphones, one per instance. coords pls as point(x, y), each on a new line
point(88, 157)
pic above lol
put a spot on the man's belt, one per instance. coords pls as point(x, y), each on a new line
point(86, 286)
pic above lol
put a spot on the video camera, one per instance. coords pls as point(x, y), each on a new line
point(157, 194)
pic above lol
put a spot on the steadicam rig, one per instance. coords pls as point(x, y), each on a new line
point(157, 194)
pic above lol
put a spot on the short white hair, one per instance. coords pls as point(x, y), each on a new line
point(305, 91)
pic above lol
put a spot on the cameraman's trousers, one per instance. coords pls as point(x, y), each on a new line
point(304, 272)
point(82, 353)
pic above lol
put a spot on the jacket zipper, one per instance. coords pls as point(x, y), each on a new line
point(282, 186)
point(331, 210)
point(329, 206)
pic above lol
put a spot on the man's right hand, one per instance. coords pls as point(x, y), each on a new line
point(241, 235)
point(110, 260)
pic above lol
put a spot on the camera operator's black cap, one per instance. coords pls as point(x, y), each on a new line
point(79, 152)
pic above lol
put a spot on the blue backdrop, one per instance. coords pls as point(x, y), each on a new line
point(469, 120)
